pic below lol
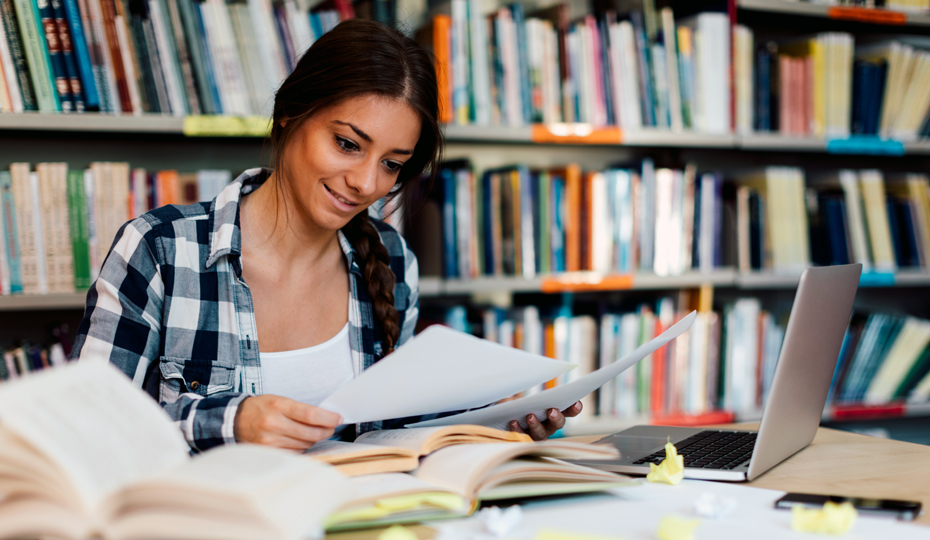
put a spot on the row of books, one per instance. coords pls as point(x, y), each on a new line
point(510, 68)
point(25, 359)
point(513, 68)
point(525, 222)
point(884, 358)
point(57, 224)
point(725, 362)
point(827, 86)
point(175, 57)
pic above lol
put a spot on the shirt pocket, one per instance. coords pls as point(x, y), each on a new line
point(195, 376)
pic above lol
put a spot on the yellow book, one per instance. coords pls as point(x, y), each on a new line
point(876, 212)
point(817, 84)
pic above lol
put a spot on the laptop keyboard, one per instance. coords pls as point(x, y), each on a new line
point(723, 450)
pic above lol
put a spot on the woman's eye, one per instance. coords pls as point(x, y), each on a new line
point(393, 166)
point(346, 144)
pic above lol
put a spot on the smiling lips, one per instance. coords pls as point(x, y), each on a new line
point(346, 204)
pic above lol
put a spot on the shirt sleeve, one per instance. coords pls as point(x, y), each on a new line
point(412, 278)
point(122, 324)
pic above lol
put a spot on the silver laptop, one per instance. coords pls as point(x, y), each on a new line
point(809, 352)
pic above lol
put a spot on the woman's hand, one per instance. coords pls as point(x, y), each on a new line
point(282, 422)
point(541, 431)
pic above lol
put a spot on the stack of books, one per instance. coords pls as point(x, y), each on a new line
point(172, 57)
point(57, 225)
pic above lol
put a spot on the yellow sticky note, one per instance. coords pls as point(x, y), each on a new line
point(397, 532)
point(558, 534)
point(673, 528)
point(833, 518)
point(671, 470)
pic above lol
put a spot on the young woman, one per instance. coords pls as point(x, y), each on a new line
point(239, 315)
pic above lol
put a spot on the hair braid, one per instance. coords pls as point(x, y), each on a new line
point(373, 261)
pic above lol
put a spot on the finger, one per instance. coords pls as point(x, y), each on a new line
point(572, 411)
point(302, 432)
point(515, 426)
point(535, 428)
point(311, 416)
point(282, 441)
point(556, 421)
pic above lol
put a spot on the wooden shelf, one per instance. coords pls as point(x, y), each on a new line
point(647, 138)
point(879, 17)
point(43, 302)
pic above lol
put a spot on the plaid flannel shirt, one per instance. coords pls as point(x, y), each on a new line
point(170, 308)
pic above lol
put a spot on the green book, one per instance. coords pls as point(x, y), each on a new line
point(918, 371)
point(27, 14)
point(77, 215)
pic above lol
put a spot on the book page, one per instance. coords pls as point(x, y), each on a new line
point(339, 451)
point(291, 493)
point(440, 370)
point(89, 418)
point(427, 439)
point(563, 396)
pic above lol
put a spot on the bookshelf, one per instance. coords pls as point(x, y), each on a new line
point(156, 141)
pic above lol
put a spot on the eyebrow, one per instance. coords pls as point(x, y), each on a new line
point(367, 138)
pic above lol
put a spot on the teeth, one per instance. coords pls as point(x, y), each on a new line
point(340, 199)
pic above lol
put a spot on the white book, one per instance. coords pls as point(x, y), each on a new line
point(230, 58)
point(298, 22)
point(706, 239)
point(258, 91)
point(632, 104)
point(481, 74)
point(270, 49)
point(696, 381)
point(129, 68)
point(463, 219)
point(855, 219)
point(671, 64)
point(38, 234)
point(664, 182)
point(625, 383)
point(10, 74)
point(170, 69)
point(607, 347)
point(601, 224)
point(214, 51)
point(86, 454)
point(876, 217)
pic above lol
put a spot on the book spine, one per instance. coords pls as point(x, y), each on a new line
point(99, 51)
point(68, 58)
point(17, 71)
point(184, 56)
point(36, 56)
point(81, 55)
point(129, 58)
point(77, 218)
point(11, 233)
point(48, 25)
point(107, 13)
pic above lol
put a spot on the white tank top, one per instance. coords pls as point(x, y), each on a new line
point(309, 375)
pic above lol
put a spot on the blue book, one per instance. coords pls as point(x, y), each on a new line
point(644, 65)
point(895, 232)
point(11, 235)
point(82, 56)
point(497, 47)
point(519, 21)
point(449, 251)
point(887, 334)
point(835, 212)
point(606, 77)
point(718, 220)
point(196, 41)
point(315, 24)
point(487, 223)
point(756, 230)
point(846, 351)
point(908, 234)
point(763, 91)
point(696, 244)
point(558, 214)
point(55, 55)
point(861, 82)
point(878, 94)
point(535, 203)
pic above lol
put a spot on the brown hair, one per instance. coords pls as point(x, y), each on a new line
point(362, 57)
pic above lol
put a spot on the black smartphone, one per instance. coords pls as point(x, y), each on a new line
point(905, 510)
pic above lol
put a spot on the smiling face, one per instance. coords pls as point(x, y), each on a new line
point(345, 157)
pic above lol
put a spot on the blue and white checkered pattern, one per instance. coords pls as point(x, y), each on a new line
point(170, 308)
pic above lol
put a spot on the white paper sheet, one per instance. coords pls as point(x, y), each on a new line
point(440, 370)
point(563, 396)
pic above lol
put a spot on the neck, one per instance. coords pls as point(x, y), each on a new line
point(270, 224)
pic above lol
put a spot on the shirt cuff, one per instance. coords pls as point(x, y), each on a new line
point(212, 420)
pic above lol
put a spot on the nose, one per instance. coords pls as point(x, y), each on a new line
point(364, 178)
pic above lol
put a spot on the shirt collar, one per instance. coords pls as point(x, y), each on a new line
point(226, 235)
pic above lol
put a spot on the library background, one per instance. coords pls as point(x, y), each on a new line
point(610, 165)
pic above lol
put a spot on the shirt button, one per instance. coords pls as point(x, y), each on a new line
point(195, 385)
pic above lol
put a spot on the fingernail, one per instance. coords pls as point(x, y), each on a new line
point(553, 414)
point(531, 419)
point(514, 424)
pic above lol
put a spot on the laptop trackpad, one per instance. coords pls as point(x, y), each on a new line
point(630, 446)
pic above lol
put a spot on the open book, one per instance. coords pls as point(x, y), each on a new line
point(84, 453)
point(398, 450)
point(451, 482)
